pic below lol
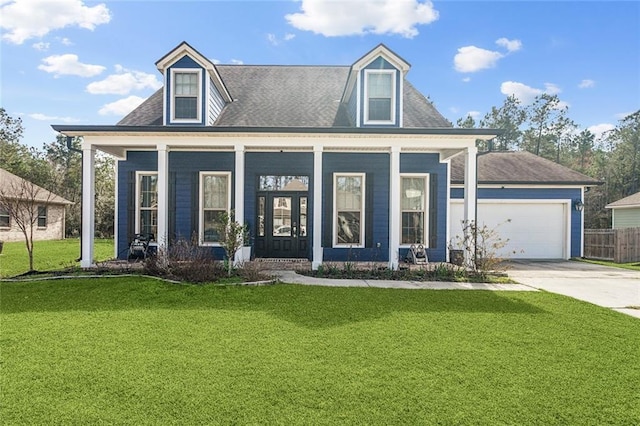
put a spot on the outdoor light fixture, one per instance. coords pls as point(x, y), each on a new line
point(578, 205)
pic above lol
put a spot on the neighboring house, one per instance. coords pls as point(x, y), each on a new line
point(625, 213)
point(21, 193)
point(327, 163)
point(530, 201)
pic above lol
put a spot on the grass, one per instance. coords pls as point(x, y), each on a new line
point(140, 351)
point(634, 266)
point(47, 255)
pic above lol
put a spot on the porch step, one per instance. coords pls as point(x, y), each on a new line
point(275, 264)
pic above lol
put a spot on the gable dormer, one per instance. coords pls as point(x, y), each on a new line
point(194, 93)
point(374, 90)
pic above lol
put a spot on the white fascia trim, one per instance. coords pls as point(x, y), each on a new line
point(365, 99)
point(427, 196)
point(115, 211)
point(199, 96)
point(334, 225)
point(201, 204)
point(358, 101)
point(137, 200)
point(523, 186)
point(384, 53)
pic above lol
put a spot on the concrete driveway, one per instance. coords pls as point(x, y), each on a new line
point(614, 288)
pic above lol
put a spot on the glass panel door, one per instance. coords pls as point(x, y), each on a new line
point(282, 217)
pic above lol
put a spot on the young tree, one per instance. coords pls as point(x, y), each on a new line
point(466, 123)
point(624, 141)
point(233, 235)
point(550, 128)
point(509, 117)
point(22, 200)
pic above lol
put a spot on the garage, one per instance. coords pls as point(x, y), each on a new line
point(536, 229)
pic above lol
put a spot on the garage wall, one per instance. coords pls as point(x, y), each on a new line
point(562, 195)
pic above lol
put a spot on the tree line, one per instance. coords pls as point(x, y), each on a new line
point(57, 167)
point(545, 129)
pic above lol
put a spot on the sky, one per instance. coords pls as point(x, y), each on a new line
point(89, 62)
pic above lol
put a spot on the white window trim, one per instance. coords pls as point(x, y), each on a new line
point(334, 230)
point(427, 196)
point(201, 204)
point(393, 96)
point(137, 200)
point(198, 72)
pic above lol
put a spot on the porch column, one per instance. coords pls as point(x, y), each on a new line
point(163, 196)
point(317, 207)
point(88, 204)
point(239, 198)
point(394, 209)
point(470, 197)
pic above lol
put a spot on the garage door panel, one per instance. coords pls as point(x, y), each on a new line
point(533, 230)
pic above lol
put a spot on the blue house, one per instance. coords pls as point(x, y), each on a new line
point(325, 163)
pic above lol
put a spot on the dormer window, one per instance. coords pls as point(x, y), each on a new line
point(186, 95)
point(380, 97)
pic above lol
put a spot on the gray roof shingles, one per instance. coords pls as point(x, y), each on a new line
point(632, 200)
point(519, 167)
point(289, 96)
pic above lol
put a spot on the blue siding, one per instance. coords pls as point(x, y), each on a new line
point(380, 64)
point(376, 168)
point(430, 163)
point(537, 194)
point(185, 62)
point(275, 163)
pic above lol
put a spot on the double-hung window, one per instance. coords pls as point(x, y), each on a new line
point(147, 203)
point(42, 216)
point(186, 95)
point(5, 221)
point(413, 209)
point(215, 201)
point(348, 216)
point(380, 97)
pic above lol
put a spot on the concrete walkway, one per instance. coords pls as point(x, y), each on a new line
point(293, 278)
point(614, 288)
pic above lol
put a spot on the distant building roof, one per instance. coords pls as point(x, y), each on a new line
point(632, 200)
point(519, 167)
point(10, 185)
point(290, 96)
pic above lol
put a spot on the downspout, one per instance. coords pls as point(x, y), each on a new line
point(72, 149)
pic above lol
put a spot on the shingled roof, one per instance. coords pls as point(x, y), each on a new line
point(289, 96)
point(520, 167)
point(10, 186)
point(632, 200)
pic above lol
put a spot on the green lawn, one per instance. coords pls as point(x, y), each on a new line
point(48, 255)
point(634, 266)
point(140, 351)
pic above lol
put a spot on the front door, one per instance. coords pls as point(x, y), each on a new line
point(282, 225)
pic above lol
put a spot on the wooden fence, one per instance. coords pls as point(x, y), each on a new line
point(618, 245)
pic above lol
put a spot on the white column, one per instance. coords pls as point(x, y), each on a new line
point(163, 196)
point(394, 208)
point(88, 204)
point(239, 199)
point(317, 208)
point(470, 196)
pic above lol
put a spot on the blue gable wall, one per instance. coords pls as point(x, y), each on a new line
point(185, 62)
point(380, 64)
point(537, 194)
point(430, 163)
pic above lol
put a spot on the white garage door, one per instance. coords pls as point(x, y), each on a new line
point(535, 230)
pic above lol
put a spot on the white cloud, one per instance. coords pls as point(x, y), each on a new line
point(43, 117)
point(122, 106)
point(273, 39)
point(124, 82)
point(526, 94)
point(472, 59)
point(344, 18)
point(600, 129)
point(68, 64)
point(237, 62)
point(474, 114)
point(289, 36)
point(41, 46)
point(66, 41)
point(466, 79)
point(623, 115)
point(510, 45)
point(25, 19)
point(585, 84)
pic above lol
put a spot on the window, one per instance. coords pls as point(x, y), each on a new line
point(348, 217)
point(5, 221)
point(380, 97)
point(42, 216)
point(147, 205)
point(413, 209)
point(186, 95)
point(215, 199)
